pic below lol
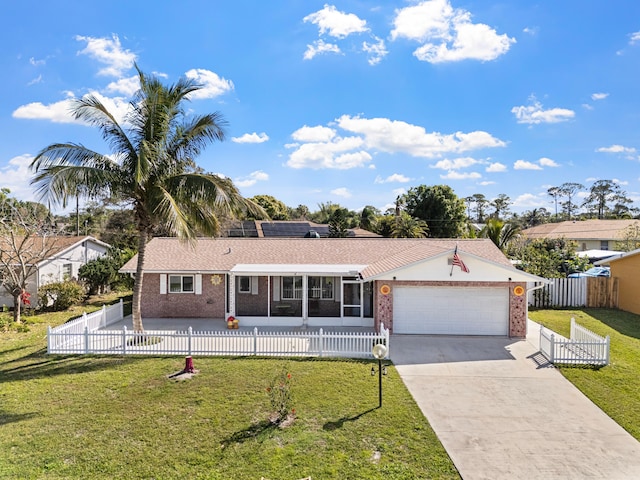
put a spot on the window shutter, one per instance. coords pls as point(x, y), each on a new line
point(254, 285)
point(276, 289)
point(198, 285)
point(337, 285)
point(163, 284)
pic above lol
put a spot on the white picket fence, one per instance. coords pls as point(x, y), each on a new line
point(561, 292)
point(67, 333)
point(583, 348)
point(83, 337)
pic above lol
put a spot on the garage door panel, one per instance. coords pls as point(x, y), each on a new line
point(451, 310)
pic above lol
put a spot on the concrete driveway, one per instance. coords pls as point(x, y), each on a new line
point(502, 412)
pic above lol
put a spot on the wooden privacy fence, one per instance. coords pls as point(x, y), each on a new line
point(235, 343)
point(593, 292)
point(583, 348)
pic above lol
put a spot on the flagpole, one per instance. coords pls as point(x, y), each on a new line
point(454, 254)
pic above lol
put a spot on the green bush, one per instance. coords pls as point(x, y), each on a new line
point(61, 295)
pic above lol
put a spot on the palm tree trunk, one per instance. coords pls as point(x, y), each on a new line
point(137, 284)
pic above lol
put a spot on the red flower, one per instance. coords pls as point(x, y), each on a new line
point(288, 375)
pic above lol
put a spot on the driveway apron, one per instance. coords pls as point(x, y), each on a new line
point(502, 412)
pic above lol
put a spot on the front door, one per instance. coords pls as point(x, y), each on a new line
point(351, 298)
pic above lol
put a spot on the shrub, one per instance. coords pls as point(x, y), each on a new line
point(279, 391)
point(61, 295)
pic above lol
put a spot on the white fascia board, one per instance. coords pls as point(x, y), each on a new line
point(298, 269)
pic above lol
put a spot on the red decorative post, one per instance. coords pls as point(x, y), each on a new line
point(188, 367)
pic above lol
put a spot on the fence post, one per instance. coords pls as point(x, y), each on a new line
point(84, 319)
point(189, 332)
point(103, 321)
point(552, 353)
point(321, 342)
point(121, 310)
point(49, 339)
point(255, 341)
point(386, 340)
point(607, 344)
point(86, 338)
point(124, 339)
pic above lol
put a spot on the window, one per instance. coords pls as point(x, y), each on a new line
point(604, 244)
point(180, 283)
point(66, 271)
point(291, 288)
point(244, 284)
point(321, 287)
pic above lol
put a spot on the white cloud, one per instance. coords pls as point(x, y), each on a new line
point(109, 52)
point(586, 106)
point(616, 149)
point(335, 23)
point(453, 175)
point(533, 31)
point(634, 38)
point(485, 183)
point(59, 112)
point(37, 63)
point(212, 85)
point(395, 178)
point(535, 114)
point(455, 164)
point(524, 165)
point(397, 192)
point(496, 167)
point(125, 86)
point(16, 176)
point(314, 134)
point(322, 147)
point(320, 47)
point(251, 179)
point(341, 192)
point(395, 136)
point(447, 34)
point(251, 138)
point(620, 182)
point(529, 200)
point(377, 51)
point(38, 79)
point(547, 162)
point(599, 96)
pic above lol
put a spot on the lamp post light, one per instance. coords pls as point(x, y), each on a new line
point(379, 351)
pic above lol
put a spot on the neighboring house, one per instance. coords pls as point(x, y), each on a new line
point(588, 234)
point(67, 255)
point(408, 285)
point(289, 229)
point(625, 268)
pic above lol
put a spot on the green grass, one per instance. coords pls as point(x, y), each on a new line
point(614, 388)
point(122, 417)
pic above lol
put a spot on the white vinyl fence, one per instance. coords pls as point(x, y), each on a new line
point(82, 336)
point(67, 333)
point(583, 348)
point(562, 292)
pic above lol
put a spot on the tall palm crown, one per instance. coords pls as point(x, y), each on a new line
point(151, 165)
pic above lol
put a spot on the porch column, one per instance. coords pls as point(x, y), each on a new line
point(232, 294)
point(305, 301)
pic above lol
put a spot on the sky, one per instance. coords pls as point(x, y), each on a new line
point(350, 101)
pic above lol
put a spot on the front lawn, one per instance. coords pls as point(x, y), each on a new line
point(122, 417)
point(615, 388)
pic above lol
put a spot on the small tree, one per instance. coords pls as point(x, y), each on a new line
point(103, 273)
point(338, 223)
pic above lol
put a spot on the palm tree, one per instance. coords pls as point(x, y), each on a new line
point(406, 226)
point(499, 232)
point(152, 167)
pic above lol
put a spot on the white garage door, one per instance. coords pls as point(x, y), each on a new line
point(451, 310)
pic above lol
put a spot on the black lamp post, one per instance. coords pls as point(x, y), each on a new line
point(379, 351)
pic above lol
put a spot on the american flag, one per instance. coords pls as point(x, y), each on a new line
point(457, 261)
